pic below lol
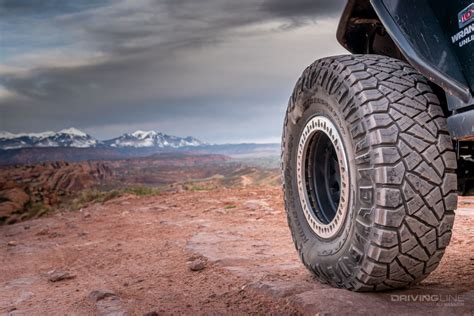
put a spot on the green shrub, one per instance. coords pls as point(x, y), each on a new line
point(34, 210)
point(142, 191)
point(90, 196)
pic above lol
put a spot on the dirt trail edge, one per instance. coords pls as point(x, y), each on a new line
point(199, 252)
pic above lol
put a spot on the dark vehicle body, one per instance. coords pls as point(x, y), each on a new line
point(437, 38)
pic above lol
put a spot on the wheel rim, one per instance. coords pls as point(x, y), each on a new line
point(323, 177)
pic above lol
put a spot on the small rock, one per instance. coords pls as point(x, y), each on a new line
point(11, 309)
point(258, 205)
point(55, 235)
point(197, 265)
point(107, 303)
point(179, 189)
point(98, 295)
point(153, 313)
point(43, 232)
point(279, 289)
point(58, 275)
point(12, 243)
point(23, 296)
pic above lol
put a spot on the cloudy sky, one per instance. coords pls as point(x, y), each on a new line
point(219, 70)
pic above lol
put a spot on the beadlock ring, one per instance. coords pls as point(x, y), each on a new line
point(321, 124)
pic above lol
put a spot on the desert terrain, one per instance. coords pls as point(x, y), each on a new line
point(215, 242)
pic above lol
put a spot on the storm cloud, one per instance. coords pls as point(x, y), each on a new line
point(214, 69)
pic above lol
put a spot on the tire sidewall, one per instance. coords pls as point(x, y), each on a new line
point(315, 249)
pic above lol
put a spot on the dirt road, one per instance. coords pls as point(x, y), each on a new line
point(134, 256)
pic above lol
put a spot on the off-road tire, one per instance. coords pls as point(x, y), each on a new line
point(402, 171)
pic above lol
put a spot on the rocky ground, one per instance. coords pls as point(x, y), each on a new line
point(199, 252)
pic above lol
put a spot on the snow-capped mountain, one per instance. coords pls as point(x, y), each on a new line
point(73, 137)
point(70, 137)
point(143, 139)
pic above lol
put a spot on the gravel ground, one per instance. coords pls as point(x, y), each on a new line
point(215, 252)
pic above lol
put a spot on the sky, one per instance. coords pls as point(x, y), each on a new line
point(218, 70)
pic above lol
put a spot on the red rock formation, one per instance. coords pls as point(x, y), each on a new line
point(45, 184)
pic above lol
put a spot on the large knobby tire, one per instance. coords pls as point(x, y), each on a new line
point(369, 173)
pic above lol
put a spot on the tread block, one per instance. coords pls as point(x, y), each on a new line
point(427, 216)
point(415, 204)
point(382, 255)
point(434, 197)
point(375, 269)
point(368, 279)
point(376, 106)
point(416, 226)
point(396, 284)
point(444, 240)
point(451, 201)
point(413, 103)
point(439, 209)
point(449, 159)
point(386, 135)
point(385, 155)
point(408, 262)
point(419, 184)
point(415, 142)
point(390, 175)
point(408, 245)
point(425, 171)
point(450, 183)
point(413, 160)
point(389, 218)
point(419, 253)
point(366, 195)
point(378, 120)
point(355, 254)
point(431, 268)
point(436, 258)
point(365, 216)
point(446, 224)
point(434, 110)
point(383, 237)
point(408, 192)
point(444, 143)
point(404, 123)
point(388, 197)
point(405, 233)
point(429, 241)
point(441, 123)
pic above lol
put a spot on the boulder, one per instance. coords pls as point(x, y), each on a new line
point(15, 195)
point(8, 208)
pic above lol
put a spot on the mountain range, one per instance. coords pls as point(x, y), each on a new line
point(73, 145)
point(75, 138)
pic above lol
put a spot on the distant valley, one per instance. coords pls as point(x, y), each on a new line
point(32, 190)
